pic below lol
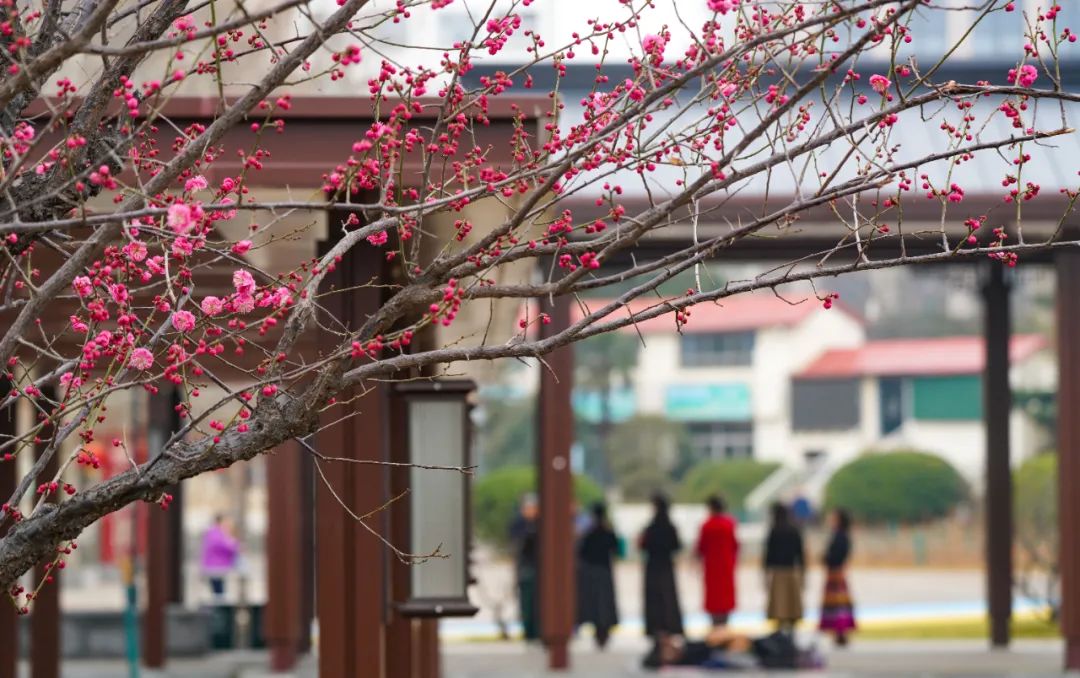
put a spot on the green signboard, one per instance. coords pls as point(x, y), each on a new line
point(708, 402)
point(588, 405)
point(952, 398)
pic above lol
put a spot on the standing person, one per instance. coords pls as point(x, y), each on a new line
point(784, 569)
point(596, 585)
point(837, 610)
point(524, 536)
point(660, 542)
point(718, 548)
point(220, 551)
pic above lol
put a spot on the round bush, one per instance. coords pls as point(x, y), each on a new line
point(901, 487)
point(496, 496)
point(733, 480)
point(1035, 500)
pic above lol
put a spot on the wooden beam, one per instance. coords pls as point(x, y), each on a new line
point(45, 613)
point(997, 408)
point(1068, 343)
point(160, 553)
point(284, 555)
point(556, 435)
point(351, 585)
point(9, 620)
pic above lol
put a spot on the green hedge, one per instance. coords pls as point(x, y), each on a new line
point(733, 480)
point(896, 487)
point(496, 496)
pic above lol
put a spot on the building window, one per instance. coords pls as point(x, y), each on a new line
point(825, 404)
point(720, 440)
point(713, 350)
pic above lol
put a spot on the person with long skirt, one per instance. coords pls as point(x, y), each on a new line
point(785, 563)
point(660, 542)
point(596, 585)
point(837, 609)
point(718, 548)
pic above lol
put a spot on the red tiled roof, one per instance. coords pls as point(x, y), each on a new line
point(739, 313)
point(901, 357)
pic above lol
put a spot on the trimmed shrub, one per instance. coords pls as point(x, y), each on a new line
point(496, 496)
point(1035, 502)
point(733, 480)
point(896, 487)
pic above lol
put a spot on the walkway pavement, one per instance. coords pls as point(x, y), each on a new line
point(888, 659)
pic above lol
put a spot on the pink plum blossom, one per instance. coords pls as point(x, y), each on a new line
point(879, 83)
point(243, 282)
point(135, 250)
point(241, 247)
point(212, 306)
point(723, 6)
point(83, 286)
point(1025, 77)
point(142, 359)
point(195, 183)
point(183, 321)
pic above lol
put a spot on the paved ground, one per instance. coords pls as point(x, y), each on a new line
point(882, 593)
point(926, 659)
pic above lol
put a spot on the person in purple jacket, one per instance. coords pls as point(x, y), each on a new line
point(220, 551)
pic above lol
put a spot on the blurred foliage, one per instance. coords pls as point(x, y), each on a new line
point(1035, 512)
point(507, 435)
point(733, 480)
point(643, 454)
point(905, 486)
point(497, 494)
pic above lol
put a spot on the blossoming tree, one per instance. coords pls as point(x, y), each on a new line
point(115, 247)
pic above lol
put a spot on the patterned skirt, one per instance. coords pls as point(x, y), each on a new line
point(837, 610)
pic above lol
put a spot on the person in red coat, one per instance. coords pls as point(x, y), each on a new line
point(718, 549)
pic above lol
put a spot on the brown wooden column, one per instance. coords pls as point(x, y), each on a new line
point(45, 614)
point(1068, 346)
point(351, 562)
point(997, 406)
point(556, 435)
point(9, 620)
point(284, 555)
point(402, 632)
point(161, 555)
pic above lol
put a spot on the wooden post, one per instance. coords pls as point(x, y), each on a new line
point(284, 553)
point(997, 408)
point(401, 634)
point(9, 620)
point(1068, 345)
point(45, 614)
point(351, 583)
point(556, 435)
point(160, 554)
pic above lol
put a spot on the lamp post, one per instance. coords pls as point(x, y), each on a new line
point(434, 426)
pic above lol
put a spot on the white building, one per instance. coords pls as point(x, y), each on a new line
point(727, 373)
point(921, 394)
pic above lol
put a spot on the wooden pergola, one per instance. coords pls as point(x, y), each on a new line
point(322, 564)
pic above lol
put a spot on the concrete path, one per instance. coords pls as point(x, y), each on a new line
point(888, 659)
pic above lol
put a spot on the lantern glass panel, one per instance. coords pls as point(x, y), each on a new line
point(437, 497)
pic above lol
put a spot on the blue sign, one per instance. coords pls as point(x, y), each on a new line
point(588, 405)
point(708, 402)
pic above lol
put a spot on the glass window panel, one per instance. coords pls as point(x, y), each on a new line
point(717, 349)
point(437, 498)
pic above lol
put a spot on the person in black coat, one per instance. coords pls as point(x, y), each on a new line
point(596, 585)
point(525, 537)
point(785, 564)
point(660, 542)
